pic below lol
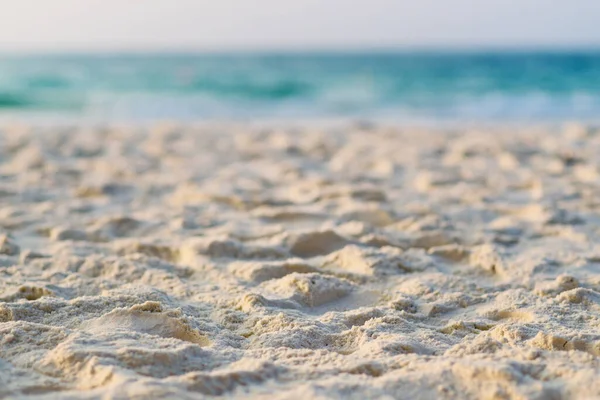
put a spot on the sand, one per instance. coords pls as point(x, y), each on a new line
point(354, 261)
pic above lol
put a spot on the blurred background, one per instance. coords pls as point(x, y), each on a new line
point(455, 60)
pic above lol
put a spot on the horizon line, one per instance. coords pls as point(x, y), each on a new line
point(277, 50)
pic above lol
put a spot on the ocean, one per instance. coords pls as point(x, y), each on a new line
point(520, 86)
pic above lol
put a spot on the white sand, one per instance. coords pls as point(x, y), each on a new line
point(300, 263)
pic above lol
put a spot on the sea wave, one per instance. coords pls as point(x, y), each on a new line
point(455, 86)
point(16, 101)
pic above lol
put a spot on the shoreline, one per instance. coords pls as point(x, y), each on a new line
point(47, 121)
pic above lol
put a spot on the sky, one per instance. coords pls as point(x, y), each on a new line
point(155, 25)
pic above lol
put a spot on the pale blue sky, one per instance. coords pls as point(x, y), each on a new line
point(59, 25)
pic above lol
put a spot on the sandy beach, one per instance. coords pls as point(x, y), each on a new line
point(353, 261)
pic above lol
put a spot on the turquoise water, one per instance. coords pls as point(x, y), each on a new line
point(475, 86)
